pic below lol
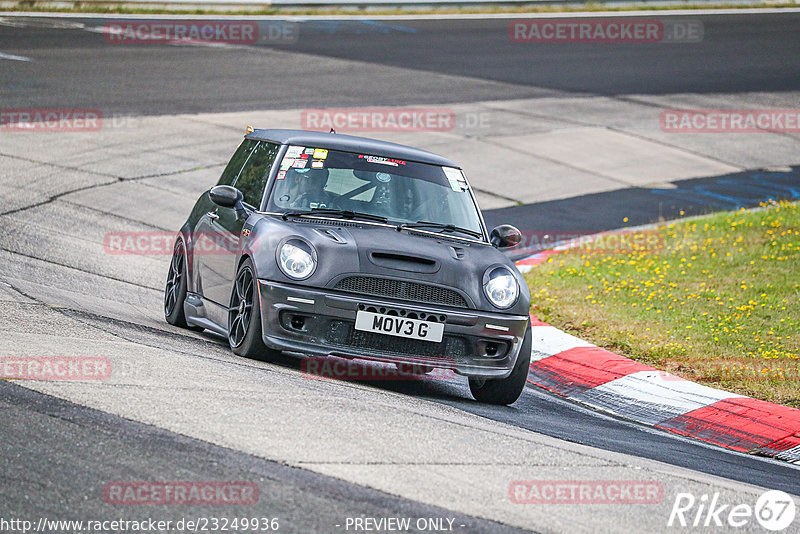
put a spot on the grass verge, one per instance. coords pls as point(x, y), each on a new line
point(713, 299)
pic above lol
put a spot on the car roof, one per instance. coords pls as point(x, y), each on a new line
point(350, 143)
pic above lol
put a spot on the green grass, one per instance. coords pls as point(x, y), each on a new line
point(714, 299)
point(121, 9)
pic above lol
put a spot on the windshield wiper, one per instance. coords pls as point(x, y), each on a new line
point(345, 214)
point(440, 226)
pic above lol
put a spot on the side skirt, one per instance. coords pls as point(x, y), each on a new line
point(206, 314)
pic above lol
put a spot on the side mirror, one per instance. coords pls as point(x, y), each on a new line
point(225, 196)
point(505, 236)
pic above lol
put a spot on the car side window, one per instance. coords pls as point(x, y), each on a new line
point(253, 178)
point(238, 159)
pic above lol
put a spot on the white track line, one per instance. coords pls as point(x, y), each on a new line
point(13, 57)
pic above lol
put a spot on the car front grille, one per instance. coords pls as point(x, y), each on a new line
point(342, 334)
point(401, 290)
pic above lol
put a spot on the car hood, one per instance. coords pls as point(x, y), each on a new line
point(346, 248)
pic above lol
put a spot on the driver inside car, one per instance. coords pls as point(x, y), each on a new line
point(311, 188)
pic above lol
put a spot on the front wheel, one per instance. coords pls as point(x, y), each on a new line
point(175, 289)
point(505, 390)
point(244, 316)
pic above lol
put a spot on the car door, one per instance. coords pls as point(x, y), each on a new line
point(222, 239)
point(203, 242)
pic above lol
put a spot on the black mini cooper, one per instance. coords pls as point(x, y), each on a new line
point(334, 245)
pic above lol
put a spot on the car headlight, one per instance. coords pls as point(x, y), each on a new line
point(501, 287)
point(297, 259)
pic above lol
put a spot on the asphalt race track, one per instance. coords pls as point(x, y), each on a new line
point(396, 62)
point(180, 406)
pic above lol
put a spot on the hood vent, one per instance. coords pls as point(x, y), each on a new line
point(458, 252)
point(330, 234)
point(403, 262)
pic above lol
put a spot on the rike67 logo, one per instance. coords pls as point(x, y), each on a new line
point(774, 511)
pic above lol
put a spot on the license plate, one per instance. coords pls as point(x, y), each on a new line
point(393, 325)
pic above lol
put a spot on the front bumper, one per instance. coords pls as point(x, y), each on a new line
point(321, 322)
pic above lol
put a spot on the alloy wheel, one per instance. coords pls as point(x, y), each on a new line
point(174, 279)
point(240, 311)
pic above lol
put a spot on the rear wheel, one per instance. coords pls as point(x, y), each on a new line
point(175, 289)
point(505, 390)
point(244, 316)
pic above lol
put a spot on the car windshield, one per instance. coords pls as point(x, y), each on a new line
point(312, 178)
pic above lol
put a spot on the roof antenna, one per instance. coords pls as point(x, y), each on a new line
point(332, 131)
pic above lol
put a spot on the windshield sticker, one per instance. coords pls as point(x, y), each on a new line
point(457, 181)
point(381, 160)
point(320, 153)
point(317, 164)
point(299, 164)
point(286, 163)
point(303, 156)
point(294, 151)
point(383, 177)
point(281, 175)
point(309, 151)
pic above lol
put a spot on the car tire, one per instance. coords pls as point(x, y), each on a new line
point(244, 316)
point(175, 289)
point(507, 390)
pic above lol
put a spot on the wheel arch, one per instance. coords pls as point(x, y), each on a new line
point(184, 235)
point(243, 258)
